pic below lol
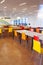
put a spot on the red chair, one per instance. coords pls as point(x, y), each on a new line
point(22, 27)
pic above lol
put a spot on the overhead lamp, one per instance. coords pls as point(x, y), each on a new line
point(2, 1)
point(5, 7)
point(18, 17)
point(22, 4)
point(24, 9)
point(33, 6)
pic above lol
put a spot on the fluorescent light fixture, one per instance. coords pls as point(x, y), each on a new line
point(22, 4)
point(24, 9)
point(18, 17)
point(5, 7)
point(33, 6)
point(2, 1)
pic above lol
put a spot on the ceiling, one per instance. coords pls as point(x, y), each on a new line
point(14, 8)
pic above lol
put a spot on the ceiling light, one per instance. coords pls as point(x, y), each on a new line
point(18, 17)
point(2, 1)
point(24, 9)
point(22, 4)
point(5, 7)
point(33, 6)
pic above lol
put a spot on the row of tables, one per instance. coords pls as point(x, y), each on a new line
point(31, 34)
point(28, 33)
point(38, 58)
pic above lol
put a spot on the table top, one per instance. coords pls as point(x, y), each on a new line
point(31, 34)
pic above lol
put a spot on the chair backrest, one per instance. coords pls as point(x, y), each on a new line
point(36, 44)
point(10, 29)
point(23, 36)
point(15, 33)
point(0, 30)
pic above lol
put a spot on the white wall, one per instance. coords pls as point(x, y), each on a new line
point(35, 22)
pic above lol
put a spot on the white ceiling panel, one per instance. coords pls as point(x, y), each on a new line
point(12, 7)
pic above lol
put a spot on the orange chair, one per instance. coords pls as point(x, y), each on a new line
point(23, 36)
point(37, 30)
point(1, 32)
point(10, 30)
point(15, 33)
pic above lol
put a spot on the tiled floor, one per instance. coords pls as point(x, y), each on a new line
point(12, 53)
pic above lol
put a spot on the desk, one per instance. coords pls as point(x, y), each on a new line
point(31, 34)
